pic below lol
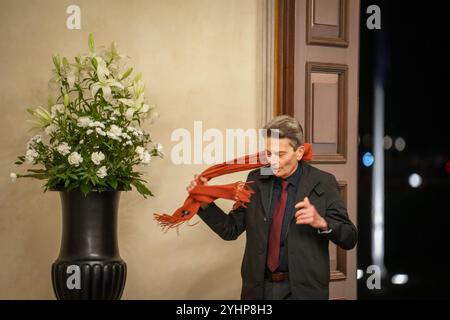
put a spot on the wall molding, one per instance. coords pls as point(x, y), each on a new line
point(267, 62)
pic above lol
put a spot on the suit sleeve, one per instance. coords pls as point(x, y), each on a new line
point(227, 226)
point(343, 231)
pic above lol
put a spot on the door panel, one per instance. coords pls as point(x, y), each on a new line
point(316, 81)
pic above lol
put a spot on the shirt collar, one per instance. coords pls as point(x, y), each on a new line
point(294, 178)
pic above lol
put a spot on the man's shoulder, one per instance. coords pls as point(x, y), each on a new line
point(321, 175)
point(255, 173)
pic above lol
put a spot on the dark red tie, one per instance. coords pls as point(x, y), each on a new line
point(273, 254)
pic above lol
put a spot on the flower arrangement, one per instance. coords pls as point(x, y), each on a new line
point(90, 138)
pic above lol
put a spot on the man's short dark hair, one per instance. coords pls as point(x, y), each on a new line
point(287, 127)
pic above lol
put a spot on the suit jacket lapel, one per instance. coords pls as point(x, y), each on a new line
point(265, 186)
point(307, 183)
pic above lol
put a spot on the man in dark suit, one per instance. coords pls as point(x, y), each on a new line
point(292, 216)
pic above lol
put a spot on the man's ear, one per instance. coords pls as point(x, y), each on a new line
point(300, 151)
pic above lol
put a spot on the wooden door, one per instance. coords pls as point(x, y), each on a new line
point(316, 50)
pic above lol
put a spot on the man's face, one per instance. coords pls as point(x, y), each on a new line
point(282, 157)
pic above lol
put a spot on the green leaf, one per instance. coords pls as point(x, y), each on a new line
point(66, 100)
point(73, 185)
point(56, 61)
point(126, 74)
point(91, 42)
point(138, 77)
point(65, 62)
point(37, 170)
point(49, 101)
point(85, 187)
point(35, 175)
point(74, 177)
point(107, 145)
point(142, 189)
point(113, 183)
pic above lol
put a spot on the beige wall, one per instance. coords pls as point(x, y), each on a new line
point(199, 60)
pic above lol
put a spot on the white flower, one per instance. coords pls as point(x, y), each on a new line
point(63, 149)
point(100, 131)
point(71, 79)
point(145, 158)
point(153, 115)
point(143, 154)
point(97, 157)
point(135, 132)
point(42, 116)
point(102, 69)
point(57, 109)
point(84, 122)
point(101, 172)
point(103, 82)
point(31, 155)
point(159, 148)
point(32, 141)
point(135, 105)
point(145, 108)
point(75, 159)
point(114, 132)
point(89, 131)
point(137, 89)
point(50, 129)
point(129, 114)
point(13, 176)
point(113, 136)
point(139, 150)
point(97, 124)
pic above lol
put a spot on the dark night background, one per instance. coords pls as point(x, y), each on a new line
point(412, 43)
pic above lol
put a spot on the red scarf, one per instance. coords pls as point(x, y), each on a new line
point(238, 191)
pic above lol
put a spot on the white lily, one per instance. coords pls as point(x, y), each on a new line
point(129, 114)
point(42, 117)
point(104, 82)
point(102, 69)
point(153, 114)
point(57, 109)
point(106, 85)
point(71, 77)
point(135, 105)
point(137, 89)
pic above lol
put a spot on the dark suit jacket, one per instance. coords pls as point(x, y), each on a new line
point(308, 257)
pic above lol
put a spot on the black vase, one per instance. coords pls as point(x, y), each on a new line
point(89, 266)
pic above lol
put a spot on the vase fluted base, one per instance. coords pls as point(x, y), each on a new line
point(98, 280)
